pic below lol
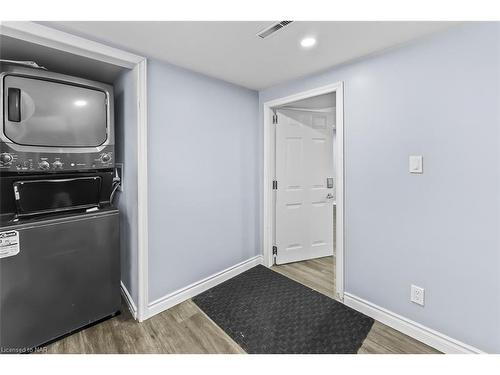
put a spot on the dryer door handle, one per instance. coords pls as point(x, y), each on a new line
point(14, 108)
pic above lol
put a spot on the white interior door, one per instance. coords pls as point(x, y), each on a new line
point(304, 202)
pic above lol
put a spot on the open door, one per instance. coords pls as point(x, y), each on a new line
point(305, 186)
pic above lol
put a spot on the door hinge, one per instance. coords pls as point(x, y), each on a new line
point(275, 185)
point(275, 119)
point(275, 250)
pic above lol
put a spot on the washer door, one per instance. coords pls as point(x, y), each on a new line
point(35, 197)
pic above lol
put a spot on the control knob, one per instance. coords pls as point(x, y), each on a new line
point(44, 165)
point(6, 158)
point(105, 158)
point(57, 164)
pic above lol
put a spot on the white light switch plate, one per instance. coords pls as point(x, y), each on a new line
point(416, 164)
point(417, 295)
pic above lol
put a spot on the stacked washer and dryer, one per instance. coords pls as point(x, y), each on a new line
point(59, 232)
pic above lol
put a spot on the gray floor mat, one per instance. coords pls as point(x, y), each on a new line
point(265, 312)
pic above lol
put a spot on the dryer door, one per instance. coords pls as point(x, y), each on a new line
point(45, 113)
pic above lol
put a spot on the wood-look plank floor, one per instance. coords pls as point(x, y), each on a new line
point(182, 329)
point(187, 329)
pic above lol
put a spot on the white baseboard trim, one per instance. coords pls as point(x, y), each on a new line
point(181, 295)
point(413, 329)
point(128, 298)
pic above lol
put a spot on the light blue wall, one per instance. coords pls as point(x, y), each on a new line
point(203, 177)
point(126, 153)
point(439, 97)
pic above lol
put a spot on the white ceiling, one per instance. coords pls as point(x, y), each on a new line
point(231, 51)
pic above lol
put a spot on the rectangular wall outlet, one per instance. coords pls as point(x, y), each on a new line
point(417, 295)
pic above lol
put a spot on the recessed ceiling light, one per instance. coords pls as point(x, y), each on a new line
point(308, 42)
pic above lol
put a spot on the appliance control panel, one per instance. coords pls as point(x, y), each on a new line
point(13, 161)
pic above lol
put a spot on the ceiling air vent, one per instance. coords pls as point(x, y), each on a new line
point(268, 31)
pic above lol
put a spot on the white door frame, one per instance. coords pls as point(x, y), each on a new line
point(269, 169)
point(46, 36)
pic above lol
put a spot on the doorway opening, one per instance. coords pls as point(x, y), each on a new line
point(303, 208)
